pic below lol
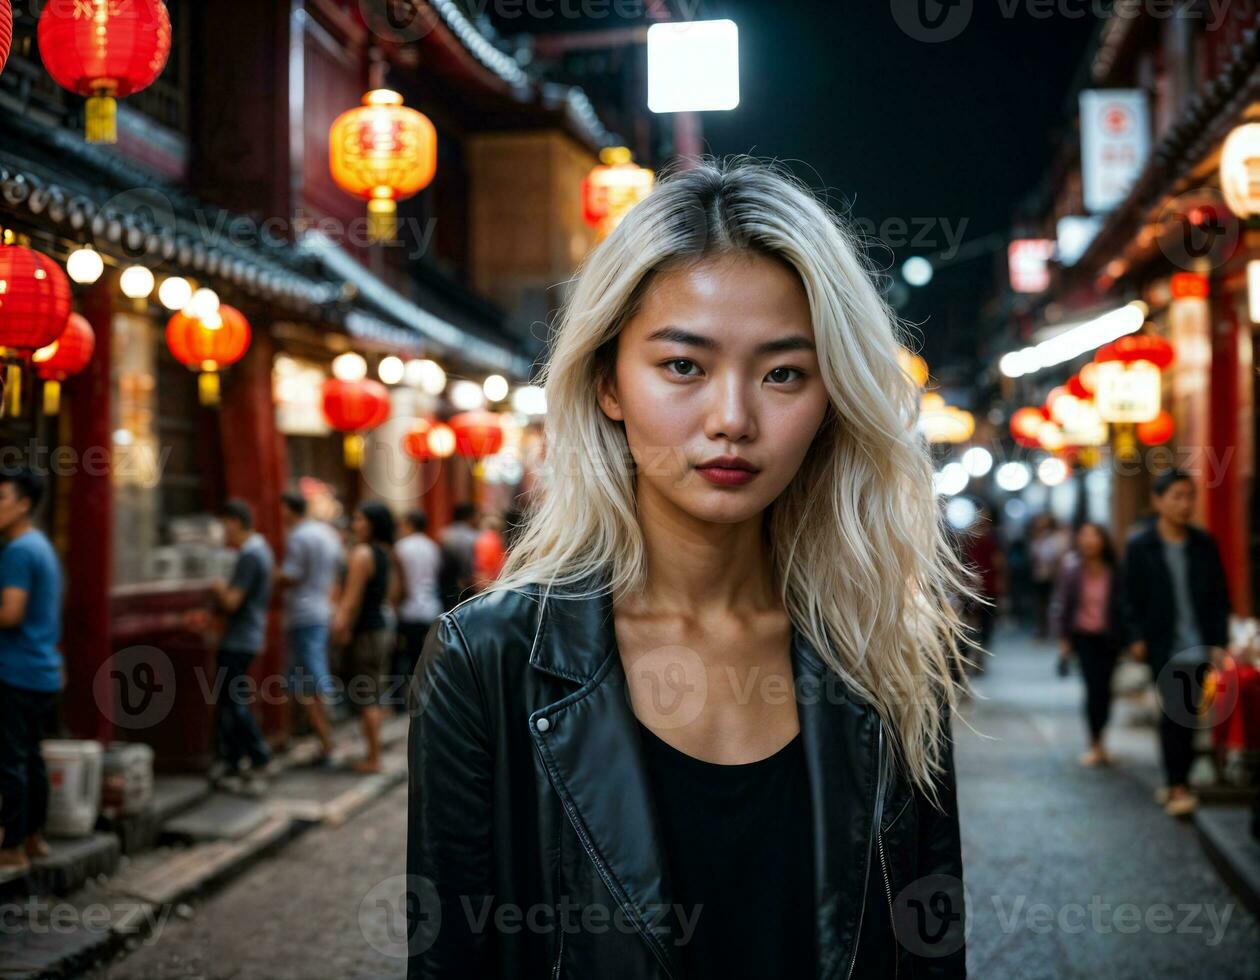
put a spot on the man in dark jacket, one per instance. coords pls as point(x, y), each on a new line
point(1176, 614)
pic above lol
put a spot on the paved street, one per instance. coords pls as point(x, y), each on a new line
point(1061, 875)
point(1073, 872)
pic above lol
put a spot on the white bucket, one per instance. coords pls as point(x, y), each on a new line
point(74, 786)
point(128, 785)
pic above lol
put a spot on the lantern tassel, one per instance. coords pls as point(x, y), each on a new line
point(13, 391)
point(208, 390)
point(101, 118)
point(52, 397)
point(382, 220)
point(354, 451)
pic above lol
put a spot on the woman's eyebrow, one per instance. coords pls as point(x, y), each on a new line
point(779, 345)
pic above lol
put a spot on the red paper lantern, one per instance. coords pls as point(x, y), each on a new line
point(611, 189)
point(1025, 425)
point(1137, 347)
point(1188, 285)
point(1157, 431)
point(34, 306)
point(208, 345)
point(105, 50)
point(6, 31)
point(477, 434)
point(416, 442)
point(355, 407)
point(382, 152)
point(64, 357)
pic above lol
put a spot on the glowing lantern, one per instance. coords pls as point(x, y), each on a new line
point(1240, 170)
point(944, 423)
point(1050, 437)
point(416, 442)
point(1025, 424)
point(105, 50)
point(477, 434)
point(66, 356)
point(6, 31)
point(1081, 384)
point(1137, 347)
point(612, 188)
point(353, 408)
point(1157, 431)
point(208, 344)
point(383, 152)
point(1127, 377)
point(34, 306)
point(913, 365)
point(442, 440)
point(1188, 285)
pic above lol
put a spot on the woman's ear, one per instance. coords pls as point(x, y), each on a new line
point(606, 393)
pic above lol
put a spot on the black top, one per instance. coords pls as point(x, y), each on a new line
point(739, 846)
point(371, 610)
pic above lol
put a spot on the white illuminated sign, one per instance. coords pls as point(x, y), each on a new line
point(693, 66)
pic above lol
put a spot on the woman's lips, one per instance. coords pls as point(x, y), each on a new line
point(724, 477)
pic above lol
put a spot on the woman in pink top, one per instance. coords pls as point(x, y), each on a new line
point(1086, 614)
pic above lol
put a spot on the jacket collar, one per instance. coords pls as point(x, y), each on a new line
point(592, 731)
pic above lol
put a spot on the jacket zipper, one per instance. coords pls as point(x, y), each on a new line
point(555, 973)
point(883, 865)
point(870, 841)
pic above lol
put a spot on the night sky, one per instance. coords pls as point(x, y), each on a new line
point(894, 127)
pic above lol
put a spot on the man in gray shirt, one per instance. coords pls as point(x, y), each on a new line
point(244, 600)
point(312, 555)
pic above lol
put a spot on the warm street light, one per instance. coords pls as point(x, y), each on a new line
point(175, 293)
point(136, 282)
point(85, 265)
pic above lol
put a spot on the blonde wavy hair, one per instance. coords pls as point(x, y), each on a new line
point(857, 541)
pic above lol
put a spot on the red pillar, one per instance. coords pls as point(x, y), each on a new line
point(1225, 463)
point(88, 399)
point(254, 471)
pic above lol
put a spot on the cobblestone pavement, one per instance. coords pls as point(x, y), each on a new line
point(1070, 872)
point(1075, 872)
point(327, 907)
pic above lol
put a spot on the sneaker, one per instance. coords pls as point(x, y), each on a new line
point(232, 783)
point(37, 847)
point(1094, 757)
point(255, 785)
point(1181, 806)
point(14, 859)
point(219, 771)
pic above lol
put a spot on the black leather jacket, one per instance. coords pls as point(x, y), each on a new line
point(532, 848)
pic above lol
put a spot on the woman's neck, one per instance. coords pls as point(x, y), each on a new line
point(695, 566)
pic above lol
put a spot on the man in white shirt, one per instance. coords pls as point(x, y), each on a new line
point(420, 561)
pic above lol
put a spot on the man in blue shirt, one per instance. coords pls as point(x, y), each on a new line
point(244, 600)
point(30, 664)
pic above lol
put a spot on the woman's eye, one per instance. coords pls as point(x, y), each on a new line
point(783, 375)
point(682, 367)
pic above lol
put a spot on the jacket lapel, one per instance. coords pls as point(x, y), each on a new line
point(591, 750)
point(590, 747)
point(840, 735)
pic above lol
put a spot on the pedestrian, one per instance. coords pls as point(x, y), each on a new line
point(1176, 611)
point(458, 540)
point(488, 552)
point(1047, 546)
point(983, 554)
point(359, 622)
point(312, 560)
point(420, 565)
point(1085, 611)
point(30, 665)
point(243, 599)
point(709, 697)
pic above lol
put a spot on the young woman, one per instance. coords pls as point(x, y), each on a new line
point(1086, 615)
point(360, 623)
point(700, 726)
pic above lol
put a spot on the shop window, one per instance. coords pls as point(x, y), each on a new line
point(163, 452)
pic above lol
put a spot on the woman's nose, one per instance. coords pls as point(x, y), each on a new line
point(732, 412)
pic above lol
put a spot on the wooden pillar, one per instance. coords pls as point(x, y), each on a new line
point(88, 400)
point(254, 470)
point(1226, 456)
